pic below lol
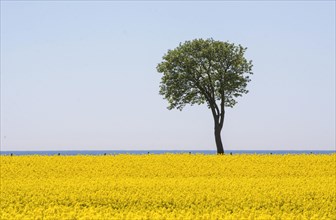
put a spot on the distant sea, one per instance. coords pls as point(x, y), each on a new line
point(139, 152)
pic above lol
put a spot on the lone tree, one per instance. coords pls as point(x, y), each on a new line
point(205, 71)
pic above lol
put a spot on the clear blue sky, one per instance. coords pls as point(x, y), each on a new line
point(82, 75)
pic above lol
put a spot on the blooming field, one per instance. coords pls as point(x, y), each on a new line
point(168, 187)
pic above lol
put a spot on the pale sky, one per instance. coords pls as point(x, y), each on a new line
point(81, 75)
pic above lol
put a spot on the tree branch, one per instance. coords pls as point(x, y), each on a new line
point(211, 85)
point(212, 103)
point(207, 71)
point(221, 122)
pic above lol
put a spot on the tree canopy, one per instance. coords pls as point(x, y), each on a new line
point(202, 71)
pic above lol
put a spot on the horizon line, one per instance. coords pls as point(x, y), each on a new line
point(178, 150)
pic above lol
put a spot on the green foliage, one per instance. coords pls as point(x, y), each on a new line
point(204, 71)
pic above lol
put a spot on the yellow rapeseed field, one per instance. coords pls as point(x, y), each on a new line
point(168, 186)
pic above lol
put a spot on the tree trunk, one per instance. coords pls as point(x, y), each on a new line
point(219, 144)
